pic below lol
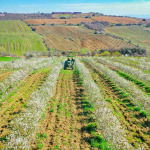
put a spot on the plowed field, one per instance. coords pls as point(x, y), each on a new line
point(75, 38)
point(65, 119)
point(122, 20)
point(58, 21)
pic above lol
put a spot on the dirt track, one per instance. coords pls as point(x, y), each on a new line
point(64, 120)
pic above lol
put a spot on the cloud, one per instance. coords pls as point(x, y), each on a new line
point(134, 8)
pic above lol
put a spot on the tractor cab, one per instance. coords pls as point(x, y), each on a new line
point(69, 63)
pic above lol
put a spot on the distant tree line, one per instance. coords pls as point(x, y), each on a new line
point(148, 25)
point(136, 51)
point(21, 16)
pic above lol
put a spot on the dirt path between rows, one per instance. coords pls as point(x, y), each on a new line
point(16, 102)
point(3, 76)
point(64, 121)
point(136, 127)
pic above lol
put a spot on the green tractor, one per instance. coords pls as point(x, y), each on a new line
point(69, 64)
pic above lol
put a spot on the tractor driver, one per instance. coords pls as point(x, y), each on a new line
point(72, 60)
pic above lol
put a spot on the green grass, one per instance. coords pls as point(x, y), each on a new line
point(136, 34)
point(17, 38)
point(130, 78)
point(8, 58)
point(3, 138)
point(96, 141)
point(41, 136)
point(66, 72)
point(40, 145)
point(91, 127)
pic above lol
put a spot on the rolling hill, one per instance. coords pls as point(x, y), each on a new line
point(16, 38)
point(74, 38)
point(110, 19)
point(138, 35)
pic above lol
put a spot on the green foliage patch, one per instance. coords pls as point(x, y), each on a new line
point(8, 58)
point(96, 140)
point(17, 38)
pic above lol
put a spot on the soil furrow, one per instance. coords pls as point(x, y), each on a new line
point(145, 88)
point(64, 121)
point(138, 133)
point(10, 101)
point(4, 76)
point(17, 102)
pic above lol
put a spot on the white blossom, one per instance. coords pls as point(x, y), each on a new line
point(109, 124)
point(137, 73)
point(24, 126)
point(137, 95)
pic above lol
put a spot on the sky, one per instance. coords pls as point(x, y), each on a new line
point(135, 8)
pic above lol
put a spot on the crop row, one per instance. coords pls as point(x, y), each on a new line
point(138, 96)
point(17, 38)
point(140, 84)
point(19, 44)
point(132, 117)
point(141, 63)
point(69, 115)
point(117, 20)
point(76, 38)
point(24, 126)
point(4, 75)
point(14, 26)
point(108, 122)
point(137, 73)
point(95, 139)
point(132, 59)
point(12, 80)
point(21, 63)
point(16, 101)
point(27, 67)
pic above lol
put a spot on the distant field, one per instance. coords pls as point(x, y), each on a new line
point(115, 20)
point(16, 38)
point(134, 33)
point(58, 21)
point(123, 20)
point(74, 38)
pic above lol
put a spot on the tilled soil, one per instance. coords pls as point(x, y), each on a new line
point(3, 76)
point(64, 121)
point(135, 127)
point(15, 103)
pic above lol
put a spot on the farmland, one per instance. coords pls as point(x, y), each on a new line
point(74, 38)
point(122, 20)
point(17, 38)
point(136, 34)
point(80, 15)
point(78, 20)
point(58, 21)
point(102, 104)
